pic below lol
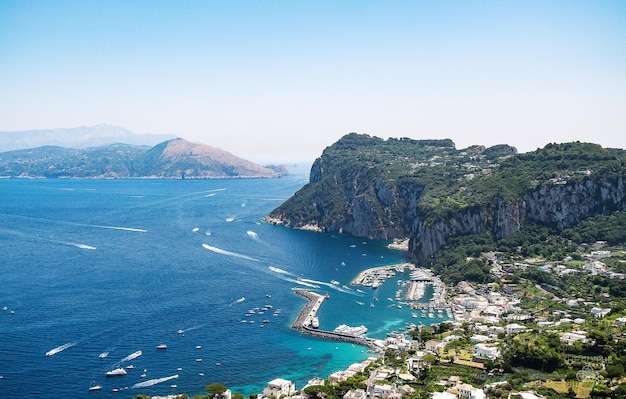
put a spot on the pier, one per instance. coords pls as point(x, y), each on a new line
point(303, 322)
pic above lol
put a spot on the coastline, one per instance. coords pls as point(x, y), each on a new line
point(309, 311)
point(374, 277)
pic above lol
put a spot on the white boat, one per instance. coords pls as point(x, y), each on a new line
point(161, 346)
point(347, 330)
point(130, 367)
point(198, 360)
point(181, 331)
point(103, 355)
point(315, 322)
point(117, 372)
point(95, 387)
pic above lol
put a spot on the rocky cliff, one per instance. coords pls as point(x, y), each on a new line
point(556, 205)
point(430, 192)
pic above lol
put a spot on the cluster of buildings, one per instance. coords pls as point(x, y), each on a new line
point(279, 387)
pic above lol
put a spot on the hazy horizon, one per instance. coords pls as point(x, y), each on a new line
point(281, 81)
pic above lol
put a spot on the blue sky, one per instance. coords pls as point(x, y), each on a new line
point(281, 80)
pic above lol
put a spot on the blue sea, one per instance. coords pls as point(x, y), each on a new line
point(119, 266)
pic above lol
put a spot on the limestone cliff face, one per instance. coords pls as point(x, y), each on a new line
point(383, 211)
point(559, 205)
point(430, 192)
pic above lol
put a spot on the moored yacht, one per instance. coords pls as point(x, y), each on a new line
point(117, 372)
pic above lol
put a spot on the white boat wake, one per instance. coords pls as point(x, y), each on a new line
point(229, 253)
point(333, 286)
point(181, 331)
point(132, 356)
point(122, 228)
point(82, 246)
point(61, 348)
point(155, 381)
point(279, 270)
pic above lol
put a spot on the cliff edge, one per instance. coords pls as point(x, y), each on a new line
point(429, 191)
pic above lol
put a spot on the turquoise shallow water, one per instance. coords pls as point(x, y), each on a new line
point(120, 266)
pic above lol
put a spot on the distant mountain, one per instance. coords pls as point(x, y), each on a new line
point(171, 159)
point(178, 157)
point(79, 137)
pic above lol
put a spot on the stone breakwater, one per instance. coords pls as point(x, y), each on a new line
point(309, 311)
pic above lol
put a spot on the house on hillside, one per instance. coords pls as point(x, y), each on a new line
point(279, 387)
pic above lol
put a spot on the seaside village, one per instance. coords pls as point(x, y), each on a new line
point(481, 319)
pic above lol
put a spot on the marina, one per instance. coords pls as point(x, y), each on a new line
point(305, 319)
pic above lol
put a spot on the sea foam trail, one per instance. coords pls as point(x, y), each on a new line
point(333, 286)
point(229, 253)
point(122, 228)
point(193, 328)
point(155, 381)
point(82, 246)
point(279, 270)
point(61, 348)
point(132, 356)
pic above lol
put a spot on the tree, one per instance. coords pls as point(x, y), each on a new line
point(429, 358)
point(215, 389)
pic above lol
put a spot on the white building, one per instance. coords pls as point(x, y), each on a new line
point(620, 321)
point(599, 312)
point(488, 351)
point(467, 391)
point(433, 345)
point(570, 337)
point(600, 254)
point(477, 338)
point(338, 376)
point(279, 387)
point(382, 391)
point(355, 394)
point(514, 328)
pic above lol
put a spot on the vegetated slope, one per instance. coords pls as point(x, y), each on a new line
point(429, 191)
point(171, 159)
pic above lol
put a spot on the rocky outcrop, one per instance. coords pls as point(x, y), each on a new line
point(430, 192)
point(561, 206)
